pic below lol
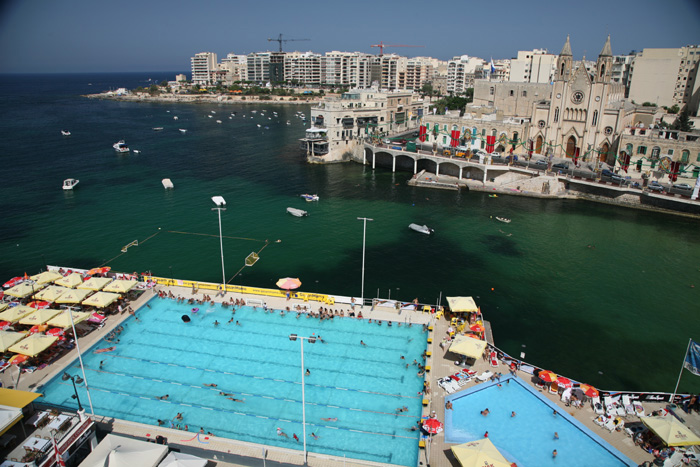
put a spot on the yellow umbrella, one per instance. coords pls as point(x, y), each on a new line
point(463, 345)
point(120, 286)
point(73, 296)
point(63, 320)
point(101, 299)
point(23, 289)
point(95, 283)
point(479, 453)
point(8, 338)
point(46, 277)
point(51, 293)
point(71, 280)
point(671, 431)
point(16, 313)
point(39, 317)
point(462, 304)
point(3, 306)
point(33, 345)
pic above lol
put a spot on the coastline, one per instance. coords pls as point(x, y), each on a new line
point(207, 99)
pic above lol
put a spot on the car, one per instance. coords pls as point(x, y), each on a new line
point(401, 141)
point(607, 173)
point(561, 166)
point(655, 186)
point(682, 186)
point(540, 163)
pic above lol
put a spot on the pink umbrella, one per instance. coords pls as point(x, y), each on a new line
point(432, 426)
point(288, 283)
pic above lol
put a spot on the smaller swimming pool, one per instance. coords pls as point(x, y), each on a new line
point(528, 437)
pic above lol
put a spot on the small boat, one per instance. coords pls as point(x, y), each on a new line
point(493, 196)
point(297, 212)
point(69, 183)
point(175, 117)
point(120, 146)
point(259, 125)
point(288, 122)
point(136, 151)
point(424, 229)
point(503, 219)
point(218, 121)
point(309, 197)
point(167, 183)
point(65, 132)
point(213, 111)
point(210, 116)
point(158, 128)
point(182, 130)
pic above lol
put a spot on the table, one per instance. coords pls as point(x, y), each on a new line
point(57, 422)
point(36, 444)
point(37, 418)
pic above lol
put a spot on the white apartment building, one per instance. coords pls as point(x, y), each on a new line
point(258, 67)
point(303, 67)
point(204, 66)
point(533, 66)
point(502, 70)
point(418, 71)
point(235, 68)
point(622, 64)
point(462, 72)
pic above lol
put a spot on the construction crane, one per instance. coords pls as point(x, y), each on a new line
point(280, 40)
point(381, 46)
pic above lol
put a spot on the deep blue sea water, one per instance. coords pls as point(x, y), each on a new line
point(618, 316)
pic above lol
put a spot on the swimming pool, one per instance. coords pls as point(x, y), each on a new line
point(528, 437)
point(360, 386)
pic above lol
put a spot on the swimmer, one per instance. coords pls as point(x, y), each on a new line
point(448, 406)
point(237, 323)
point(485, 412)
point(163, 398)
point(330, 419)
point(512, 414)
point(212, 385)
point(402, 409)
point(486, 435)
point(308, 372)
point(556, 436)
point(363, 343)
point(281, 433)
point(102, 363)
point(314, 436)
point(226, 394)
point(216, 323)
point(296, 438)
point(554, 453)
point(235, 400)
point(554, 414)
point(178, 416)
point(160, 422)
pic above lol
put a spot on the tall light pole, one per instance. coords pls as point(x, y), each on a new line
point(364, 236)
point(312, 339)
point(220, 206)
point(80, 358)
point(74, 379)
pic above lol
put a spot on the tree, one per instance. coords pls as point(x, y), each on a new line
point(164, 84)
point(427, 89)
point(683, 122)
point(673, 109)
point(153, 90)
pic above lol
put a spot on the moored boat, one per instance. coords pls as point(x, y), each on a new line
point(297, 212)
point(120, 146)
point(157, 128)
point(65, 132)
point(167, 183)
point(309, 197)
point(69, 183)
point(424, 229)
point(182, 130)
point(503, 219)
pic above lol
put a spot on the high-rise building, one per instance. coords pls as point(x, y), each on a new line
point(258, 67)
point(302, 67)
point(533, 66)
point(462, 72)
point(204, 65)
point(622, 65)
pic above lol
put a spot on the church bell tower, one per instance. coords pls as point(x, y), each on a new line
point(565, 62)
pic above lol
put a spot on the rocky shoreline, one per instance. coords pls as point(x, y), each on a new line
point(208, 99)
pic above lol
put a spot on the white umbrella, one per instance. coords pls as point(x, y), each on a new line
point(178, 459)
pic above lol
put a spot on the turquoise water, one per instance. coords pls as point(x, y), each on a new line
point(590, 314)
point(360, 386)
point(527, 438)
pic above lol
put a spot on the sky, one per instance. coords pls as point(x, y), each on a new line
point(62, 36)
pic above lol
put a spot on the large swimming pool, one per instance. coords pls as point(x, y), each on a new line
point(528, 437)
point(360, 386)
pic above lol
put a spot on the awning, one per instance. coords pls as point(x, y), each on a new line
point(101, 299)
point(24, 289)
point(8, 417)
point(16, 313)
point(467, 346)
point(17, 398)
point(479, 453)
point(63, 320)
point(33, 345)
point(39, 316)
point(9, 338)
point(46, 277)
point(671, 431)
point(74, 296)
point(71, 280)
point(120, 286)
point(119, 451)
point(95, 283)
point(462, 304)
point(50, 293)
point(179, 459)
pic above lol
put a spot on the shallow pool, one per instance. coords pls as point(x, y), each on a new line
point(255, 362)
point(528, 438)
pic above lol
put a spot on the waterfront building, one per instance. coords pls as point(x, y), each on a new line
point(204, 64)
point(660, 153)
point(533, 66)
point(462, 72)
point(258, 67)
point(234, 67)
point(303, 68)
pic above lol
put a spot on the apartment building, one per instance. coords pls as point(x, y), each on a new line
point(204, 64)
point(533, 66)
point(303, 67)
point(462, 72)
point(234, 67)
point(258, 67)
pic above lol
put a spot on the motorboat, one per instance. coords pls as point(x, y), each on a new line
point(158, 128)
point(503, 219)
point(297, 212)
point(69, 183)
point(120, 146)
point(175, 117)
point(136, 151)
point(309, 197)
point(218, 121)
point(424, 229)
point(182, 130)
point(65, 132)
point(167, 183)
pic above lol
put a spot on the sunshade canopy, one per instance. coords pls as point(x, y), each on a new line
point(288, 283)
point(95, 283)
point(46, 277)
point(71, 280)
point(16, 313)
point(479, 453)
point(671, 431)
point(74, 296)
point(118, 451)
point(179, 459)
point(9, 338)
point(120, 286)
point(50, 293)
point(101, 299)
point(8, 417)
point(24, 289)
point(3, 306)
point(463, 345)
point(33, 345)
point(462, 304)
point(17, 398)
point(63, 320)
point(39, 316)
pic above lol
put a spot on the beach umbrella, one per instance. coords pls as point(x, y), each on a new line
point(95, 283)
point(18, 359)
point(671, 431)
point(46, 277)
point(432, 426)
point(23, 289)
point(71, 280)
point(9, 338)
point(480, 452)
point(39, 317)
point(63, 320)
point(472, 348)
point(33, 345)
point(38, 328)
point(564, 382)
point(73, 296)
point(16, 313)
point(547, 376)
point(38, 305)
point(50, 293)
point(589, 390)
point(102, 270)
point(476, 327)
point(289, 283)
point(55, 332)
point(101, 299)
point(3, 305)
point(462, 304)
point(4, 325)
point(120, 286)
point(13, 282)
point(179, 459)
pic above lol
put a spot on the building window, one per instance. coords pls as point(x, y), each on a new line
point(556, 114)
point(444, 127)
point(491, 91)
point(594, 122)
point(483, 132)
point(670, 152)
point(427, 126)
point(685, 156)
point(512, 93)
point(641, 150)
point(698, 158)
point(444, 140)
point(524, 93)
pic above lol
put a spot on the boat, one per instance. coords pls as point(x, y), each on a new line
point(297, 212)
point(288, 122)
point(69, 183)
point(120, 146)
point(175, 117)
point(424, 229)
point(136, 151)
point(309, 197)
point(65, 132)
point(167, 183)
point(182, 130)
point(157, 128)
point(218, 121)
point(503, 219)
point(493, 196)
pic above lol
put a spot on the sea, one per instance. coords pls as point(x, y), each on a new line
point(602, 294)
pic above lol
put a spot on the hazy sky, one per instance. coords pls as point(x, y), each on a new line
point(154, 35)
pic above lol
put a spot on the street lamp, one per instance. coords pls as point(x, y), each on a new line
point(74, 379)
point(312, 339)
point(80, 359)
point(364, 235)
point(220, 206)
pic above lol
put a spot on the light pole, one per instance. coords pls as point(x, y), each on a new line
point(220, 206)
point(312, 339)
point(364, 235)
point(80, 359)
point(74, 379)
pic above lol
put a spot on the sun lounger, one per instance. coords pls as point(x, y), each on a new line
point(629, 408)
point(597, 406)
point(599, 420)
point(448, 385)
point(638, 408)
point(612, 407)
point(493, 359)
point(484, 376)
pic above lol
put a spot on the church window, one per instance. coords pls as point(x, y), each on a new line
point(556, 114)
point(491, 90)
point(608, 130)
point(563, 66)
point(670, 152)
point(594, 122)
point(541, 123)
point(524, 93)
point(641, 150)
point(512, 93)
point(602, 70)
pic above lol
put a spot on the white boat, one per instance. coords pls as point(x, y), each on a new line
point(297, 212)
point(309, 197)
point(218, 121)
point(65, 132)
point(182, 130)
point(69, 183)
point(210, 116)
point(120, 146)
point(503, 219)
point(213, 111)
point(136, 151)
point(175, 117)
point(288, 122)
point(259, 125)
point(167, 183)
point(157, 128)
point(424, 229)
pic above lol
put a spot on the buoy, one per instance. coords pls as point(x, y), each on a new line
point(492, 288)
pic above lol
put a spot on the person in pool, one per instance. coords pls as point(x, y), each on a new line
point(330, 419)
